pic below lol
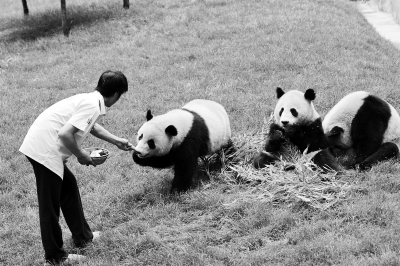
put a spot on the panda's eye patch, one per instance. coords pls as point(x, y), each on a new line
point(294, 112)
point(281, 111)
point(151, 144)
point(141, 136)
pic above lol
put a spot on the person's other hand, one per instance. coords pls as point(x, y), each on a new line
point(85, 159)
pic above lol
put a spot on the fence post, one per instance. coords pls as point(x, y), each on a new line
point(25, 5)
point(66, 28)
point(126, 4)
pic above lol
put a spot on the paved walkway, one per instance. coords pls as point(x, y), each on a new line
point(383, 22)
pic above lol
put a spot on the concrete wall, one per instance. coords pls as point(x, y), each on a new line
point(389, 6)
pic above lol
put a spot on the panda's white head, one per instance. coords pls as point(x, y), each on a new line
point(154, 139)
point(294, 107)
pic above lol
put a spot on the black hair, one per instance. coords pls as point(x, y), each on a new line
point(111, 82)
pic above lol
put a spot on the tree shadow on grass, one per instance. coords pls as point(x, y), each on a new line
point(48, 23)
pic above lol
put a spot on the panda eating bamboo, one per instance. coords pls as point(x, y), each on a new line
point(296, 121)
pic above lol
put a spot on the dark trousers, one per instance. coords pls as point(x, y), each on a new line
point(55, 193)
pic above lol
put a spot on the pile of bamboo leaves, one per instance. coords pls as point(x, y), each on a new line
point(292, 179)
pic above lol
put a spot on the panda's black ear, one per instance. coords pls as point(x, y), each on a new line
point(171, 130)
point(279, 92)
point(309, 95)
point(149, 116)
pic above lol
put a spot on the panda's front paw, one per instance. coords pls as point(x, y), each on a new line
point(363, 166)
point(292, 131)
point(263, 159)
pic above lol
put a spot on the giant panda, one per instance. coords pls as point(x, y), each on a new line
point(297, 121)
point(179, 137)
point(363, 127)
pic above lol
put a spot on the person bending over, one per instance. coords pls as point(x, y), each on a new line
point(54, 136)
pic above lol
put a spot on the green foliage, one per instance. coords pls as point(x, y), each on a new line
point(235, 52)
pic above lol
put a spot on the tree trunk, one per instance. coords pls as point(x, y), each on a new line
point(66, 28)
point(25, 5)
point(126, 4)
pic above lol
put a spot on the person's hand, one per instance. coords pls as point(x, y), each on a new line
point(85, 159)
point(125, 145)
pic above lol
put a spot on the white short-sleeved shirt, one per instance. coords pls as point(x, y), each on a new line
point(42, 143)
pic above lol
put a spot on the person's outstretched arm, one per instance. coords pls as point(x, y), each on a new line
point(102, 133)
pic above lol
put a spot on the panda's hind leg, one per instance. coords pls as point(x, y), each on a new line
point(217, 161)
point(224, 156)
point(326, 161)
point(386, 151)
point(229, 149)
point(206, 162)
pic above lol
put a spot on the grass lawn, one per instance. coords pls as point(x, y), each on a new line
point(235, 52)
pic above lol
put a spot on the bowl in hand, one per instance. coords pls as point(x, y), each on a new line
point(98, 155)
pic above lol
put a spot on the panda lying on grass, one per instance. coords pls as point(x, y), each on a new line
point(179, 137)
point(296, 121)
point(364, 128)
